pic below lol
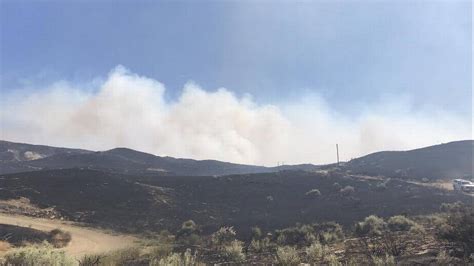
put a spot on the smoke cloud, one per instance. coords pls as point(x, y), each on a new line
point(127, 110)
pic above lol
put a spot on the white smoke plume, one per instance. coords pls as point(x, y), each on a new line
point(127, 110)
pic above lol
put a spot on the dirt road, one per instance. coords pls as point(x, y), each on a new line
point(84, 240)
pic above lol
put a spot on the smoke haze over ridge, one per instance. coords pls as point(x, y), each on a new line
point(128, 110)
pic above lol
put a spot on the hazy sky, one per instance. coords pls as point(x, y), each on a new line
point(340, 61)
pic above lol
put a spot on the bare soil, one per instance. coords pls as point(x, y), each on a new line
point(84, 240)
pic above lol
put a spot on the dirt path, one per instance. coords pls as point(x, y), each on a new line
point(84, 240)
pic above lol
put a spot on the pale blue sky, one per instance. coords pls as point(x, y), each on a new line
point(348, 52)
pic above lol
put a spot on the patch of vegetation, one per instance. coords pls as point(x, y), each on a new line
point(288, 255)
point(176, 259)
point(316, 253)
point(125, 256)
point(188, 235)
point(224, 236)
point(458, 227)
point(41, 255)
point(233, 252)
point(371, 226)
point(400, 223)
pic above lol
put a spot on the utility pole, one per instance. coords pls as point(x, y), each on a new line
point(337, 152)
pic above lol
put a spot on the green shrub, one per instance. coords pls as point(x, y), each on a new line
point(223, 236)
point(313, 193)
point(37, 255)
point(288, 256)
point(371, 226)
point(400, 223)
point(59, 238)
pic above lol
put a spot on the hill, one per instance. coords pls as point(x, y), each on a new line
point(17, 157)
point(444, 161)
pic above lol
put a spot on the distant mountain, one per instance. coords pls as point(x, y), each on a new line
point(17, 157)
point(444, 161)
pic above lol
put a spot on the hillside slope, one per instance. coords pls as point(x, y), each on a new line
point(444, 161)
point(18, 157)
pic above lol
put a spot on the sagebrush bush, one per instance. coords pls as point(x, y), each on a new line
point(233, 252)
point(417, 229)
point(38, 255)
point(298, 235)
point(316, 253)
point(188, 228)
point(329, 232)
point(223, 236)
point(188, 235)
point(177, 259)
point(371, 226)
point(261, 245)
point(288, 256)
point(400, 223)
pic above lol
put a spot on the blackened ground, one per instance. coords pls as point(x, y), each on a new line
point(269, 200)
